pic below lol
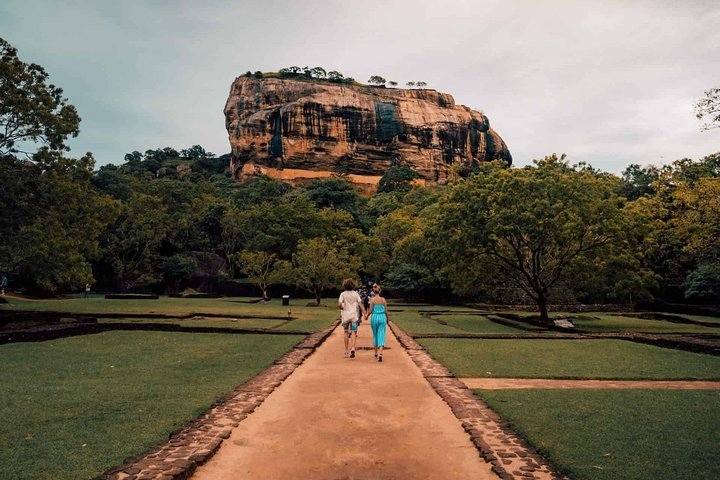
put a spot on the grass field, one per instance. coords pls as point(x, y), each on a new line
point(598, 322)
point(601, 359)
point(73, 407)
point(475, 324)
point(411, 321)
point(307, 318)
point(618, 434)
point(699, 318)
point(240, 323)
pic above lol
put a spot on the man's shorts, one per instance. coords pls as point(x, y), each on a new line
point(350, 326)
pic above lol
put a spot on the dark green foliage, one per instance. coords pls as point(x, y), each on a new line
point(703, 283)
point(176, 270)
point(637, 181)
point(334, 193)
point(33, 113)
point(377, 80)
point(397, 179)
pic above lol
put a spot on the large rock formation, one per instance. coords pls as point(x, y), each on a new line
point(297, 130)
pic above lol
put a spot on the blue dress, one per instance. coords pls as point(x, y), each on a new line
point(378, 323)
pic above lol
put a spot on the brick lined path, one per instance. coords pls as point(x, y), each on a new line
point(339, 418)
point(511, 457)
point(508, 383)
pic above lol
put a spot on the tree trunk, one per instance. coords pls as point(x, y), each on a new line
point(318, 295)
point(542, 306)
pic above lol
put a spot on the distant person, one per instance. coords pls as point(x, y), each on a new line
point(365, 298)
point(378, 321)
point(87, 290)
point(349, 302)
point(3, 283)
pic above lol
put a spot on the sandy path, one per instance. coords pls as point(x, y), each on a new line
point(509, 383)
point(338, 418)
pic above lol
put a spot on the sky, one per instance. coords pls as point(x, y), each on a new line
point(608, 82)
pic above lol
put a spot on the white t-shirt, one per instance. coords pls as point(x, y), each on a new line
point(349, 303)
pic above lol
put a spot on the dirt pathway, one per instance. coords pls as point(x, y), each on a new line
point(509, 383)
point(338, 418)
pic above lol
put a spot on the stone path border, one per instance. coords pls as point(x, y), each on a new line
point(197, 441)
point(536, 383)
point(510, 455)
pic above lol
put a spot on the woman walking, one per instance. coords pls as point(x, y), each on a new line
point(378, 321)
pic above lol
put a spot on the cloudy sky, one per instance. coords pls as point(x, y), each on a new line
point(610, 82)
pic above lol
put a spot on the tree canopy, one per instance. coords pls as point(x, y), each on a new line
point(33, 113)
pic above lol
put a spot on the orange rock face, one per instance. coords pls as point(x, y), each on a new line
point(298, 130)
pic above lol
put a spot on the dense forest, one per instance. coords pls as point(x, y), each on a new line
point(167, 219)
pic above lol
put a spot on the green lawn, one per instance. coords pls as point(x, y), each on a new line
point(239, 323)
point(601, 359)
point(476, 324)
point(618, 434)
point(308, 318)
point(413, 322)
point(699, 318)
point(611, 323)
point(73, 407)
point(166, 305)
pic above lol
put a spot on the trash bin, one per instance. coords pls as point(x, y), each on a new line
point(286, 299)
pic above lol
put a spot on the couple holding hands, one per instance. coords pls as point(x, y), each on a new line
point(353, 311)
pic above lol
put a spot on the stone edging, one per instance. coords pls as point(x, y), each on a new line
point(197, 441)
point(510, 455)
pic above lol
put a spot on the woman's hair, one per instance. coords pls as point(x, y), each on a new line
point(379, 288)
point(349, 284)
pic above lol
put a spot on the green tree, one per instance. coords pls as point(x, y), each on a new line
point(393, 83)
point(176, 270)
point(33, 113)
point(335, 76)
point(397, 178)
point(421, 85)
point(638, 181)
point(130, 246)
point(531, 224)
point(260, 267)
point(377, 80)
point(703, 283)
point(410, 84)
point(53, 250)
point(318, 72)
point(318, 264)
point(707, 109)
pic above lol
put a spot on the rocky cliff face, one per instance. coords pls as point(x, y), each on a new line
point(297, 130)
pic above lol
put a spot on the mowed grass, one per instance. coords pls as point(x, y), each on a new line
point(309, 318)
point(614, 323)
point(412, 322)
point(618, 434)
point(236, 323)
point(592, 359)
point(699, 318)
point(73, 407)
point(475, 324)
